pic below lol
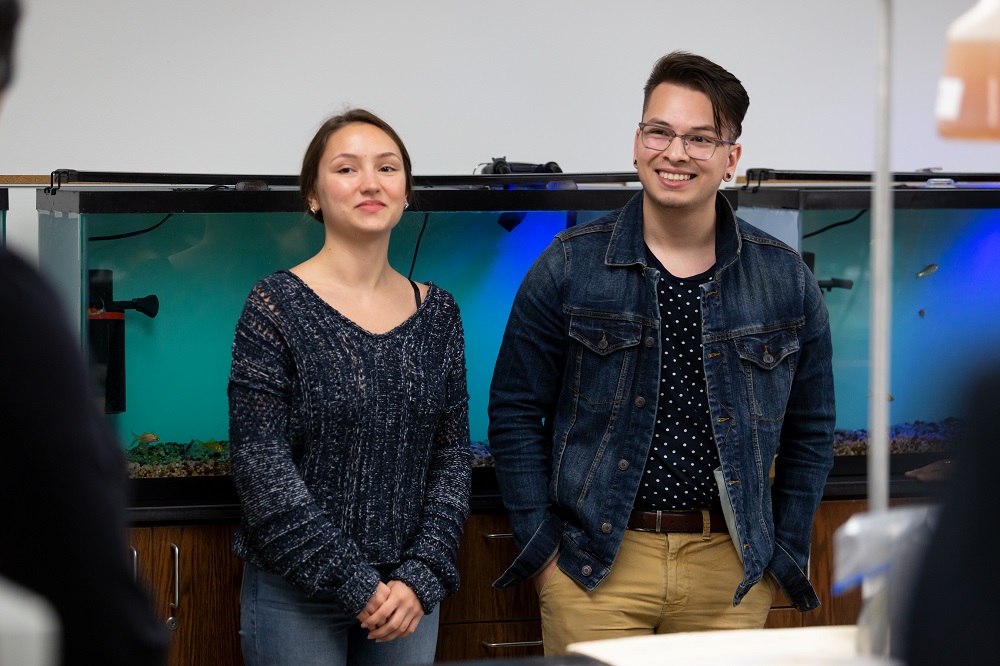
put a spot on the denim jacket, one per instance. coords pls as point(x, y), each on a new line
point(574, 395)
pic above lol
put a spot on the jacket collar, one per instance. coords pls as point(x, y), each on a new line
point(627, 247)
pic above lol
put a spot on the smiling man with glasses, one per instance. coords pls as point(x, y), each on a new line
point(655, 362)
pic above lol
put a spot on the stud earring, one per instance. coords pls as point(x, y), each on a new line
point(312, 209)
point(635, 162)
point(406, 204)
point(728, 176)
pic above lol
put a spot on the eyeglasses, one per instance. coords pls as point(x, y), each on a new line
point(697, 146)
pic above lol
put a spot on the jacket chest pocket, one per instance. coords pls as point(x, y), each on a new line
point(604, 356)
point(767, 363)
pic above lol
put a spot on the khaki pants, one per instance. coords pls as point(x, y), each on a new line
point(659, 583)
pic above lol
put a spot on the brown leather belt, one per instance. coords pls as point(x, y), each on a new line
point(676, 521)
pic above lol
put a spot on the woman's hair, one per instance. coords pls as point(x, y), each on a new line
point(314, 153)
point(9, 13)
point(728, 96)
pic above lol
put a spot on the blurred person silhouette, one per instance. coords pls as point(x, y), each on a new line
point(953, 613)
point(62, 479)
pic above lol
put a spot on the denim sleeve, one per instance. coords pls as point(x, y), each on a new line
point(524, 393)
point(805, 456)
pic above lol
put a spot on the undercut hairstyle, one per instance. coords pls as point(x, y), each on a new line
point(728, 96)
point(314, 153)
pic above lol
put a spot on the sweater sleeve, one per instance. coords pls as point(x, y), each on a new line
point(284, 530)
point(428, 560)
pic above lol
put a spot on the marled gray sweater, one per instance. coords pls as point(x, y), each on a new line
point(350, 450)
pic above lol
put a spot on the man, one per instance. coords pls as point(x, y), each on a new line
point(62, 478)
point(655, 362)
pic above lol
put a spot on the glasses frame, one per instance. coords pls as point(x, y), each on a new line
point(684, 141)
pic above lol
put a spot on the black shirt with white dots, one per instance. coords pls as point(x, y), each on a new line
point(682, 456)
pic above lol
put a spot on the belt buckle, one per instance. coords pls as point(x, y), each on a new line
point(659, 516)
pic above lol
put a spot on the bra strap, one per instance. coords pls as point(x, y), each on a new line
point(416, 293)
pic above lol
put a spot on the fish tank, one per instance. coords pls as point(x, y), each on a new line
point(945, 311)
point(4, 207)
point(154, 270)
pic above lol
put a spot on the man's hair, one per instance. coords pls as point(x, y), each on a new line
point(9, 13)
point(728, 96)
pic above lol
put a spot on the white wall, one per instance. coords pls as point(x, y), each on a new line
point(239, 86)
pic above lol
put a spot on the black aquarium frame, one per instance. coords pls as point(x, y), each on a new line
point(155, 500)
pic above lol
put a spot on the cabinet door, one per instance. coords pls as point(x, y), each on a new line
point(195, 585)
point(839, 609)
point(488, 640)
point(843, 608)
point(486, 550)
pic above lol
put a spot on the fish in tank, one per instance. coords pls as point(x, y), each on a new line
point(946, 253)
point(169, 408)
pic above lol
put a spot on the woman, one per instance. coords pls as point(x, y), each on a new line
point(349, 427)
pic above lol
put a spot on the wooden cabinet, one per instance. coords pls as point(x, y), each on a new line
point(193, 580)
point(480, 621)
point(843, 608)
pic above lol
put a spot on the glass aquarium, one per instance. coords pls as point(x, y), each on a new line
point(945, 310)
point(154, 277)
point(3, 217)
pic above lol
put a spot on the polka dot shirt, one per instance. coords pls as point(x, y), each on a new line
point(682, 456)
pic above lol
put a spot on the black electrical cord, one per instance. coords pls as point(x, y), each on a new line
point(835, 224)
point(417, 246)
point(146, 231)
point(138, 232)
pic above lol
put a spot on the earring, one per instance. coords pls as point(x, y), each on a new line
point(635, 162)
point(728, 176)
point(406, 204)
point(312, 209)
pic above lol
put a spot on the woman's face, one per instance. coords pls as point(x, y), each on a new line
point(360, 185)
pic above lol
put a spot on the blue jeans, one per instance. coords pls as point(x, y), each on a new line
point(279, 624)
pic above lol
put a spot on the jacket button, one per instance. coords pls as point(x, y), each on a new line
point(623, 464)
point(606, 528)
point(603, 344)
point(586, 570)
point(650, 341)
point(640, 402)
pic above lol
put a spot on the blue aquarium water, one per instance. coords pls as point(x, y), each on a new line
point(945, 308)
point(165, 387)
point(201, 268)
point(170, 408)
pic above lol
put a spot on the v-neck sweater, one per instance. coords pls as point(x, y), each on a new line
point(350, 449)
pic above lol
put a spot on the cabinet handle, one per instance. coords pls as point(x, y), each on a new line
point(175, 552)
point(497, 535)
point(135, 563)
point(494, 646)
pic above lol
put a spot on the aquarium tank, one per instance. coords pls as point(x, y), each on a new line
point(3, 216)
point(945, 312)
point(154, 270)
point(154, 275)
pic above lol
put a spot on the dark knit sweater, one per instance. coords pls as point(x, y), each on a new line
point(350, 450)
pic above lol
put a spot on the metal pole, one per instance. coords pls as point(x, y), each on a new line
point(881, 281)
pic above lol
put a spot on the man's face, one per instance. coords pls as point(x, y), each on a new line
point(671, 179)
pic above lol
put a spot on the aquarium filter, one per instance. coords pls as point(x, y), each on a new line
point(106, 335)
